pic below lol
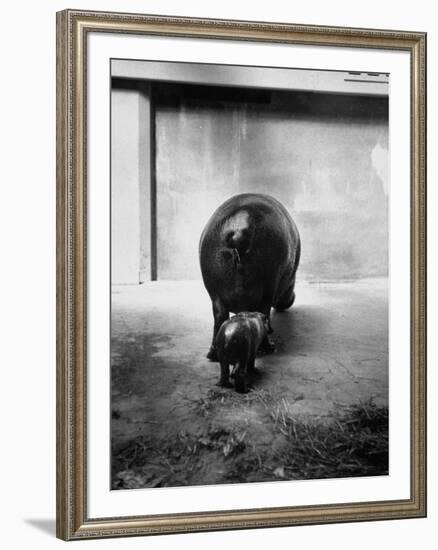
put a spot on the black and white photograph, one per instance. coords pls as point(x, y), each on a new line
point(249, 274)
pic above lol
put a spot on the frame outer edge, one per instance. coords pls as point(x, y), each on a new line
point(62, 424)
point(419, 276)
point(204, 27)
point(78, 282)
point(423, 97)
point(417, 279)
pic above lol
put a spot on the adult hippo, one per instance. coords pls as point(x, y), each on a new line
point(249, 253)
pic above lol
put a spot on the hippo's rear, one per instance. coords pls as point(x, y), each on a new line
point(249, 253)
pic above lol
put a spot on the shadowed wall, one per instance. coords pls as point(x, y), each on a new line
point(324, 156)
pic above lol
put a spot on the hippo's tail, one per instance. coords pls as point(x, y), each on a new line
point(239, 242)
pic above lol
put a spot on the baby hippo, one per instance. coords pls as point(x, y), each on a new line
point(237, 342)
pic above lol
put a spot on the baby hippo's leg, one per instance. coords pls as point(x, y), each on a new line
point(240, 377)
point(224, 379)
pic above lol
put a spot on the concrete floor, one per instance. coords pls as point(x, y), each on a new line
point(332, 350)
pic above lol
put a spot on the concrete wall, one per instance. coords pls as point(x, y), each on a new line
point(130, 187)
point(324, 156)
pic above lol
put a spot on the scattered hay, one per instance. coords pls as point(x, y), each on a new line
point(352, 442)
point(143, 463)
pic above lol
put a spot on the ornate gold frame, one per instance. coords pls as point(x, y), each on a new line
point(72, 519)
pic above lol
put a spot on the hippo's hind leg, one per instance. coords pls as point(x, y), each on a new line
point(267, 345)
point(287, 297)
point(251, 365)
point(220, 314)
